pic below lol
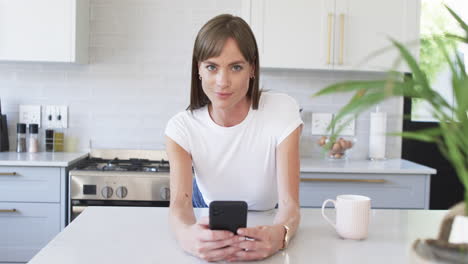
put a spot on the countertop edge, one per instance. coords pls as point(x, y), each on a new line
point(317, 167)
point(44, 163)
point(402, 171)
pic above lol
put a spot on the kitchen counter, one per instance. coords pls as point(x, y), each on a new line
point(142, 235)
point(394, 166)
point(40, 159)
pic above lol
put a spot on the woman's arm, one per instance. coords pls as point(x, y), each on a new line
point(180, 209)
point(269, 239)
point(288, 169)
point(194, 237)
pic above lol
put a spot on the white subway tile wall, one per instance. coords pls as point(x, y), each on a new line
point(138, 77)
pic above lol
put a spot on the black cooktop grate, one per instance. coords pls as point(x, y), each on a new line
point(144, 165)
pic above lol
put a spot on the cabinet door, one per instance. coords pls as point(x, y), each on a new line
point(26, 230)
point(365, 26)
point(402, 191)
point(293, 34)
point(32, 30)
point(24, 184)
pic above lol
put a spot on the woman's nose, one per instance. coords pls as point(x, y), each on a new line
point(223, 79)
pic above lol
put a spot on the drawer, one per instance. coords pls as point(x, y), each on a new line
point(27, 230)
point(385, 190)
point(29, 184)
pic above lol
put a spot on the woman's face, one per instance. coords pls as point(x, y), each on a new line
point(225, 79)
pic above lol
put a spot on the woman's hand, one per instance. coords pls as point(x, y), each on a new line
point(260, 242)
point(210, 245)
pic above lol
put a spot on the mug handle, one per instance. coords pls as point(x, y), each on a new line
point(323, 211)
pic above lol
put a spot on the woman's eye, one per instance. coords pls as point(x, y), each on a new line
point(211, 67)
point(237, 67)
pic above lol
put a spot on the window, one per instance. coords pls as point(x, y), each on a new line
point(435, 19)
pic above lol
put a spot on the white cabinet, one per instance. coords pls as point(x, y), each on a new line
point(46, 30)
point(293, 34)
point(32, 209)
point(25, 228)
point(332, 34)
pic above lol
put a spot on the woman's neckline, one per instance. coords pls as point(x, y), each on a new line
point(242, 123)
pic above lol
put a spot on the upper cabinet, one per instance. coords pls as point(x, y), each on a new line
point(333, 34)
point(45, 31)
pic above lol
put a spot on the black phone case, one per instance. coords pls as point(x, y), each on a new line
point(228, 215)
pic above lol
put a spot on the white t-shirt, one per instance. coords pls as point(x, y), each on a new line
point(239, 162)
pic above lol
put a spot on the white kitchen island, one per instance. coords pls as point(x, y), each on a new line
point(122, 235)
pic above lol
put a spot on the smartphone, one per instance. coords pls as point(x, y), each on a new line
point(228, 215)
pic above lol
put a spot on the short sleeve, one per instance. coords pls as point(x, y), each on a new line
point(177, 130)
point(287, 115)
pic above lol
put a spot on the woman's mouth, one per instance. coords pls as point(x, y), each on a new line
point(223, 95)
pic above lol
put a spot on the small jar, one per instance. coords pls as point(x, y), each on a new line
point(59, 141)
point(33, 138)
point(20, 137)
point(49, 140)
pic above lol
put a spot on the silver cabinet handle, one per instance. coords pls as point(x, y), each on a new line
point(8, 210)
point(344, 180)
point(8, 174)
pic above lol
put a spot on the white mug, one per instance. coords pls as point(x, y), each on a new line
point(352, 215)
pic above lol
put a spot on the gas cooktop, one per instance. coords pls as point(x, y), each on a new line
point(116, 164)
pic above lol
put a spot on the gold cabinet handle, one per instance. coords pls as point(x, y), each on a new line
point(8, 210)
point(343, 180)
point(8, 173)
point(330, 22)
point(341, 38)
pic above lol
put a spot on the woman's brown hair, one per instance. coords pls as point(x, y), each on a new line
point(209, 43)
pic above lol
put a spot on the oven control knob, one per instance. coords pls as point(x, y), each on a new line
point(121, 192)
point(165, 193)
point(106, 192)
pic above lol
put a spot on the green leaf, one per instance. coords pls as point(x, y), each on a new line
point(418, 75)
point(357, 106)
point(459, 20)
point(350, 86)
point(460, 90)
point(456, 37)
point(419, 135)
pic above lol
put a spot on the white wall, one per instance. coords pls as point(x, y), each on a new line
point(138, 77)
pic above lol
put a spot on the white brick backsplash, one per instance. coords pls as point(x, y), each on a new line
point(138, 77)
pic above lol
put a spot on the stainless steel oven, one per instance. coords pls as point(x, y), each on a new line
point(119, 178)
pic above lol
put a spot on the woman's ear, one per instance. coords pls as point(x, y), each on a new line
point(252, 72)
point(199, 68)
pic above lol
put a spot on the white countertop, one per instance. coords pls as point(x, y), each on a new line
point(122, 235)
point(398, 166)
point(40, 159)
point(394, 166)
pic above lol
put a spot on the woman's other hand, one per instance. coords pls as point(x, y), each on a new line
point(259, 242)
point(209, 245)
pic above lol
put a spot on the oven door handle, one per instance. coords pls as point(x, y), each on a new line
point(78, 209)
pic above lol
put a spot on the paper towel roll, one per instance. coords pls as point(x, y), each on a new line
point(378, 128)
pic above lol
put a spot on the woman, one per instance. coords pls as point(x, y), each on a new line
point(242, 144)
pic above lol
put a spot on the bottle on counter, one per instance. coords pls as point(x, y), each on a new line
point(59, 141)
point(33, 138)
point(20, 137)
point(49, 140)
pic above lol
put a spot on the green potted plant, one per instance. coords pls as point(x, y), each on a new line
point(451, 135)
